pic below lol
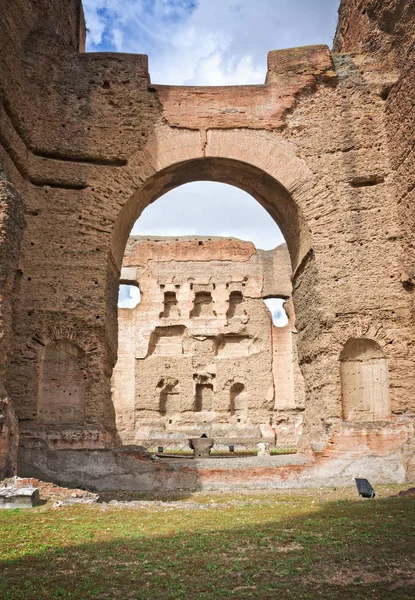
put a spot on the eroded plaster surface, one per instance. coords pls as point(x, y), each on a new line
point(200, 354)
point(326, 145)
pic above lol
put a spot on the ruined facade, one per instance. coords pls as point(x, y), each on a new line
point(199, 354)
point(326, 145)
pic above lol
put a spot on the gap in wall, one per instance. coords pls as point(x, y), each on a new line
point(199, 351)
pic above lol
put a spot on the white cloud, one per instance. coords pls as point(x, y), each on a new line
point(209, 208)
point(128, 296)
point(213, 71)
point(209, 42)
point(276, 308)
point(96, 24)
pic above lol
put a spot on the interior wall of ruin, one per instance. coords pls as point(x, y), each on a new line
point(328, 157)
point(11, 232)
point(381, 35)
point(289, 398)
point(199, 353)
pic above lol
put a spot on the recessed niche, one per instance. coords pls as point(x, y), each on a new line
point(61, 384)
point(238, 402)
point(202, 305)
point(235, 305)
point(234, 346)
point(203, 397)
point(364, 381)
point(171, 306)
point(168, 397)
point(167, 341)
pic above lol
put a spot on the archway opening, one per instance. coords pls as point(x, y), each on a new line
point(202, 315)
point(264, 188)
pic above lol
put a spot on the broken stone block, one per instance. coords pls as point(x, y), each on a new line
point(19, 497)
point(263, 449)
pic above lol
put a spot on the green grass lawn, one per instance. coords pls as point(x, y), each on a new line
point(300, 544)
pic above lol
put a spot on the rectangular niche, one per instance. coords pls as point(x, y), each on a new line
point(364, 381)
point(168, 396)
point(231, 346)
point(204, 396)
point(235, 308)
point(171, 306)
point(202, 305)
point(61, 395)
point(167, 341)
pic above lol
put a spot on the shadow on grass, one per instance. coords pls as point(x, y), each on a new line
point(262, 550)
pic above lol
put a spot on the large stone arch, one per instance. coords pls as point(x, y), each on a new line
point(265, 167)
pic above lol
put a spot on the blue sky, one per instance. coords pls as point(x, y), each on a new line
point(208, 42)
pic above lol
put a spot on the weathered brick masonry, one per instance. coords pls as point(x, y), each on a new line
point(200, 354)
point(87, 141)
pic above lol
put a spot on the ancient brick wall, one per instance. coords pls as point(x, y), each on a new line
point(385, 32)
point(382, 33)
point(199, 353)
point(11, 232)
point(383, 29)
point(9, 439)
point(89, 141)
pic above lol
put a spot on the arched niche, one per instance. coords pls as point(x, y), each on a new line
point(168, 397)
point(364, 381)
point(238, 401)
point(61, 393)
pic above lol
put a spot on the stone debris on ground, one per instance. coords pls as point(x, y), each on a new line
point(409, 492)
point(54, 496)
point(50, 492)
point(24, 497)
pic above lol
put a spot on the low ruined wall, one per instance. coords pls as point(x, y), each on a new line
point(377, 452)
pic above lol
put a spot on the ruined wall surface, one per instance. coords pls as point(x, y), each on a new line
point(11, 232)
point(385, 32)
point(9, 439)
point(197, 354)
point(383, 29)
point(89, 141)
point(382, 35)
